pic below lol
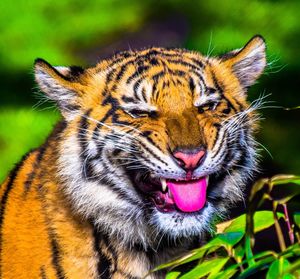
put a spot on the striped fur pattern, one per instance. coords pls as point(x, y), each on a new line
point(73, 208)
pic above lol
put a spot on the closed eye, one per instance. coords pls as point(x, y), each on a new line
point(137, 113)
point(209, 106)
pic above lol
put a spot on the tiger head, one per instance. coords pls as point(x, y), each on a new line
point(157, 142)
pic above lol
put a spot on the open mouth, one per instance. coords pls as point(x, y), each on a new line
point(168, 195)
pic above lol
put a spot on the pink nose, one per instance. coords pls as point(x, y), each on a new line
point(189, 160)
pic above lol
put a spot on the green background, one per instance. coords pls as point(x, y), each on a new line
point(82, 32)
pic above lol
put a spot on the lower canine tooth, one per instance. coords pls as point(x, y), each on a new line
point(207, 178)
point(163, 184)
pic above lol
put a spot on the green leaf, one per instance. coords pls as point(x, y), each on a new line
point(173, 275)
point(239, 252)
point(226, 274)
point(291, 251)
point(284, 179)
point(195, 254)
point(258, 266)
point(262, 220)
point(297, 219)
point(294, 268)
point(226, 240)
point(192, 256)
point(216, 269)
point(205, 268)
point(288, 276)
point(248, 250)
point(277, 268)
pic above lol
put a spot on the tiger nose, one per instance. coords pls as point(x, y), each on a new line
point(189, 159)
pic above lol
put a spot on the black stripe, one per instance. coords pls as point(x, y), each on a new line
point(126, 99)
point(186, 64)
point(112, 251)
point(139, 71)
point(154, 155)
point(192, 85)
point(178, 73)
point(109, 100)
point(75, 72)
point(35, 165)
point(144, 94)
point(217, 83)
point(55, 251)
point(220, 146)
point(87, 169)
point(230, 155)
point(229, 104)
point(123, 69)
point(71, 107)
point(43, 273)
point(154, 62)
point(156, 77)
point(107, 267)
point(82, 131)
point(109, 76)
point(198, 62)
point(117, 190)
point(226, 110)
point(53, 243)
point(137, 83)
point(218, 127)
point(244, 160)
point(147, 135)
point(135, 89)
point(157, 53)
point(104, 263)
point(4, 198)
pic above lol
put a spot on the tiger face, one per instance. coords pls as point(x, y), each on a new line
point(158, 142)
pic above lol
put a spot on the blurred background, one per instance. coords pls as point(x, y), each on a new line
point(73, 32)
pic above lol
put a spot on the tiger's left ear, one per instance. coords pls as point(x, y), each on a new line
point(249, 62)
point(60, 84)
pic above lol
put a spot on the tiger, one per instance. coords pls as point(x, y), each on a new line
point(153, 146)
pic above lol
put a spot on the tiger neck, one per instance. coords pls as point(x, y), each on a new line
point(117, 261)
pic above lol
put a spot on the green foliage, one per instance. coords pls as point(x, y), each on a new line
point(59, 30)
point(230, 252)
point(54, 30)
point(32, 126)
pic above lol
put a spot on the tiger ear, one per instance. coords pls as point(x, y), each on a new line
point(249, 62)
point(60, 84)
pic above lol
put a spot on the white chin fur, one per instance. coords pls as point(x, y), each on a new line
point(177, 225)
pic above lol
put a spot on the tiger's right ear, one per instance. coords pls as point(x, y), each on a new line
point(249, 62)
point(61, 84)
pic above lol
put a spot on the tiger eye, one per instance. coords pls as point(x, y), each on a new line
point(207, 107)
point(136, 113)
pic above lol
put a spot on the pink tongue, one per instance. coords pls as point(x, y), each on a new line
point(189, 196)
